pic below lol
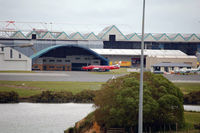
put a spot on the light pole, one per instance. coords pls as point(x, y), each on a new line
point(140, 116)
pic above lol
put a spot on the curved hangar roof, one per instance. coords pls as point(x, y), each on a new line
point(132, 52)
point(61, 51)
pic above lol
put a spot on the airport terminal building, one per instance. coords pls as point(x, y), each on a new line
point(65, 52)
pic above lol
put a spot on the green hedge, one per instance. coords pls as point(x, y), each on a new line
point(9, 97)
point(192, 98)
point(85, 96)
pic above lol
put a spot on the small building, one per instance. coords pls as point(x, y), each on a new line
point(10, 59)
point(170, 67)
point(154, 60)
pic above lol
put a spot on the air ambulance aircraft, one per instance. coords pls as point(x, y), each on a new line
point(101, 68)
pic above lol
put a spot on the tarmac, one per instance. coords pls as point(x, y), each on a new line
point(81, 76)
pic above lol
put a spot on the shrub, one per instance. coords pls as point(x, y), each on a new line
point(53, 97)
point(192, 98)
point(9, 97)
point(117, 103)
point(85, 96)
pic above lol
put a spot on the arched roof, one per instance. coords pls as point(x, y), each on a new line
point(104, 61)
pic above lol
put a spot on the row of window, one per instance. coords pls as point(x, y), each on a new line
point(58, 60)
point(51, 60)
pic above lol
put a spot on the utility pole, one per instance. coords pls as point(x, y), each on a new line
point(140, 117)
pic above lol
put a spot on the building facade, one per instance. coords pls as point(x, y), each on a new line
point(11, 59)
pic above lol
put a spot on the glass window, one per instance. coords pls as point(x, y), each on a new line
point(51, 66)
point(44, 60)
point(51, 60)
point(67, 60)
point(2, 48)
point(20, 56)
point(59, 60)
point(77, 58)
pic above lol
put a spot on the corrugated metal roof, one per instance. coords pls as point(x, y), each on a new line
point(148, 52)
point(171, 65)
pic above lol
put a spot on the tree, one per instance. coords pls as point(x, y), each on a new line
point(117, 102)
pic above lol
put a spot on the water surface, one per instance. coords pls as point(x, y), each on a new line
point(40, 118)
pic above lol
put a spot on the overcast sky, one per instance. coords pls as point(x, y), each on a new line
point(162, 16)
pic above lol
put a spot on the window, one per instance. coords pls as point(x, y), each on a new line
point(51, 66)
point(59, 60)
point(112, 38)
point(51, 60)
point(11, 53)
point(34, 36)
point(188, 63)
point(35, 66)
point(77, 58)
point(67, 60)
point(2, 48)
point(44, 60)
point(20, 56)
point(172, 68)
point(96, 62)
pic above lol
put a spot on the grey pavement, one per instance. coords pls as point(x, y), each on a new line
point(57, 76)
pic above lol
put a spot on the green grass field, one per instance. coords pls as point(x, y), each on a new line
point(188, 87)
point(29, 88)
point(191, 118)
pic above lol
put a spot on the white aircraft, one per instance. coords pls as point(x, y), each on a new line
point(189, 70)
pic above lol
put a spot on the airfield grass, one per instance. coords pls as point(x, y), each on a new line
point(20, 91)
point(30, 88)
point(191, 119)
point(188, 87)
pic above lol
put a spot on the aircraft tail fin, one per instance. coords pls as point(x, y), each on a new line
point(119, 63)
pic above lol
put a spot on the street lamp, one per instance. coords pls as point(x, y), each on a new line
point(140, 116)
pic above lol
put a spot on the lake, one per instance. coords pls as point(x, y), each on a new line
point(41, 118)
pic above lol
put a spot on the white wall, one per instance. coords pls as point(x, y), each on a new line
point(15, 63)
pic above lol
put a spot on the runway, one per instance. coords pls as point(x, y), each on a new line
point(57, 76)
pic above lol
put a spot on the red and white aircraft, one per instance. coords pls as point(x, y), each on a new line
point(101, 67)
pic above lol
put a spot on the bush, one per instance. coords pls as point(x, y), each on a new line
point(64, 97)
point(192, 98)
point(53, 97)
point(85, 96)
point(117, 103)
point(9, 97)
